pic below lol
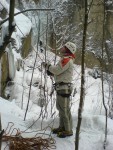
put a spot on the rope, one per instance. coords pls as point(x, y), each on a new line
point(17, 142)
point(38, 143)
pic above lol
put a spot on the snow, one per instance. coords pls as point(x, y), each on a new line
point(23, 23)
point(109, 2)
point(92, 133)
point(23, 27)
point(4, 4)
point(93, 116)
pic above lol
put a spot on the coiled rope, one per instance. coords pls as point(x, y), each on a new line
point(17, 142)
point(35, 143)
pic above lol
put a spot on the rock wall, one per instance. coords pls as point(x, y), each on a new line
point(26, 45)
point(24, 51)
point(26, 48)
point(4, 73)
point(90, 59)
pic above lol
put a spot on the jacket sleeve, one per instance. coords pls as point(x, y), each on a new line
point(58, 69)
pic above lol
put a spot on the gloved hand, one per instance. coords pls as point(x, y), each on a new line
point(49, 73)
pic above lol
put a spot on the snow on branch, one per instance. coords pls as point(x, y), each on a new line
point(3, 21)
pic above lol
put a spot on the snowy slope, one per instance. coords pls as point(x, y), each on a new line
point(93, 122)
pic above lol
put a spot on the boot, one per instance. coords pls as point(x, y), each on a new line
point(64, 134)
point(57, 130)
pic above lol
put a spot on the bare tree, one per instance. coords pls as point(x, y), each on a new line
point(11, 28)
point(6, 41)
point(103, 97)
point(82, 78)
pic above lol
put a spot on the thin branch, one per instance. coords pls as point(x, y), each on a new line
point(103, 97)
point(3, 21)
point(33, 70)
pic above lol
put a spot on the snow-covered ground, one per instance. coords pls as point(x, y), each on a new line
point(41, 119)
point(93, 116)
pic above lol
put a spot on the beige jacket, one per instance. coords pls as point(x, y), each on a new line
point(63, 71)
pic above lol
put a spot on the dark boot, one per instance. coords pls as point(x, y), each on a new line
point(57, 130)
point(64, 134)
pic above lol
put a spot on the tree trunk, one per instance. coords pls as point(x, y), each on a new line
point(10, 29)
point(0, 132)
point(102, 78)
point(82, 80)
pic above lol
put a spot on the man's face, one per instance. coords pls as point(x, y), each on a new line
point(63, 50)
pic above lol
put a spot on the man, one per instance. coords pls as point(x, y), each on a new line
point(63, 73)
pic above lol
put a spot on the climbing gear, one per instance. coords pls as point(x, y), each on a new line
point(15, 141)
point(71, 46)
point(63, 92)
point(57, 130)
point(64, 134)
point(62, 83)
point(56, 85)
